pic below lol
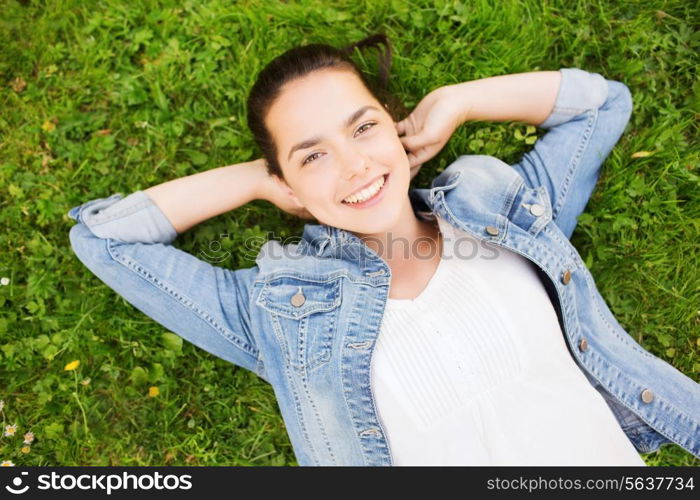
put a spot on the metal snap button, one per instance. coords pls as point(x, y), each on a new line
point(647, 396)
point(298, 299)
point(536, 210)
point(492, 230)
point(372, 431)
point(376, 273)
point(566, 277)
point(583, 345)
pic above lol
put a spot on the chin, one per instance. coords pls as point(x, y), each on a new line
point(379, 223)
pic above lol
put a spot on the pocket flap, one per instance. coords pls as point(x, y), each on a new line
point(276, 296)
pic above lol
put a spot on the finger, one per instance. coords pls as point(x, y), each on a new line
point(413, 142)
point(413, 160)
point(414, 170)
point(400, 127)
point(419, 157)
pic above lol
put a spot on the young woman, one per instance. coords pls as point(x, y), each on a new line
point(449, 325)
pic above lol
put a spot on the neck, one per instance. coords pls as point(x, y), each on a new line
point(412, 239)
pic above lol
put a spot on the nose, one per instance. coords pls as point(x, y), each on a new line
point(354, 162)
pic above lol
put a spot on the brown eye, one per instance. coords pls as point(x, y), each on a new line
point(306, 160)
point(362, 128)
point(366, 124)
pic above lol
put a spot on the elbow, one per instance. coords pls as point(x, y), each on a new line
point(619, 97)
point(90, 250)
point(617, 108)
point(134, 219)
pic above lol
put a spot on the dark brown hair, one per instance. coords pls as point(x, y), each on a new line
point(300, 61)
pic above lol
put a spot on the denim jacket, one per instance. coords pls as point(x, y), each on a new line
point(306, 317)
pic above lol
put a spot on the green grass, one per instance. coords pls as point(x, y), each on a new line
point(105, 97)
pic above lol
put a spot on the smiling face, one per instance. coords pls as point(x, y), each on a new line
point(333, 138)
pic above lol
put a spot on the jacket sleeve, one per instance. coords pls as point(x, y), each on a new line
point(589, 115)
point(125, 242)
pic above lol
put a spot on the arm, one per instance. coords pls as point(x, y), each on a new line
point(124, 242)
point(527, 97)
point(524, 97)
point(585, 114)
point(159, 213)
point(187, 201)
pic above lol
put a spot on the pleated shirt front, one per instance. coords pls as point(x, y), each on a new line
point(476, 371)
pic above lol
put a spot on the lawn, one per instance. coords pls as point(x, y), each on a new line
point(98, 98)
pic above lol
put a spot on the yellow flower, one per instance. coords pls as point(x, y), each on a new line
point(25, 449)
point(7, 463)
point(48, 126)
point(10, 430)
point(72, 365)
point(28, 437)
point(153, 391)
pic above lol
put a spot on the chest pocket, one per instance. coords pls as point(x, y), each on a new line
point(304, 314)
point(531, 209)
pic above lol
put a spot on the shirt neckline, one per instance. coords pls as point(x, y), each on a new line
point(432, 283)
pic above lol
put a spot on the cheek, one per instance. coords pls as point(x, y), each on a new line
point(397, 149)
point(386, 148)
point(319, 188)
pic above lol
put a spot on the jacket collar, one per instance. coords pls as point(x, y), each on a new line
point(473, 187)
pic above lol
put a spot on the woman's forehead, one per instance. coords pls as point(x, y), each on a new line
point(316, 103)
point(321, 91)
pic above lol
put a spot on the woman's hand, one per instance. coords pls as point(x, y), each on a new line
point(428, 128)
point(275, 191)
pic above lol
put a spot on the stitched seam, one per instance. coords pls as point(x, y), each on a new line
point(511, 194)
point(295, 275)
point(347, 384)
point(319, 421)
point(265, 301)
point(324, 343)
point(183, 299)
point(573, 167)
point(251, 290)
point(626, 340)
point(300, 415)
point(102, 218)
point(673, 436)
point(565, 304)
point(541, 221)
point(587, 277)
point(565, 244)
point(569, 110)
point(279, 333)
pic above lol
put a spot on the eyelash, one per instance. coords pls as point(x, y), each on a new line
point(306, 160)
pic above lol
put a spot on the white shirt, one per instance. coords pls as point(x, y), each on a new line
point(475, 371)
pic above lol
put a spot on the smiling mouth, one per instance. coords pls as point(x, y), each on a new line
point(372, 198)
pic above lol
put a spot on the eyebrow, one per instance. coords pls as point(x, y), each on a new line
point(308, 143)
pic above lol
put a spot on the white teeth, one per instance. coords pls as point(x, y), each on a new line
point(366, 193)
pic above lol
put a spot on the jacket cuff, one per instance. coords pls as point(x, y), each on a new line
point(579, 91)
point(133, 219)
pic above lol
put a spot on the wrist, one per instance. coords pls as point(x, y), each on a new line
point(258, 179)
point(458, 96)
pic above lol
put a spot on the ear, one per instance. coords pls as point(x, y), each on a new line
point(287, 190)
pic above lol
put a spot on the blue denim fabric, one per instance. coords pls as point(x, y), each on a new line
point(315, 350)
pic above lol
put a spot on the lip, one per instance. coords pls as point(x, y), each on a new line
point(365, 186)
point(375, 199)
